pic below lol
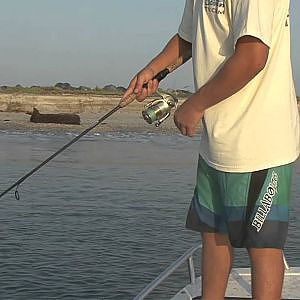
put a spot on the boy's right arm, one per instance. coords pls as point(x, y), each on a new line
point(176, 52)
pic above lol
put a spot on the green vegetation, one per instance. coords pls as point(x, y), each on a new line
point(66, 88)
point(60, 88)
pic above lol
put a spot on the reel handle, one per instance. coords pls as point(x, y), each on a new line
point(159, 77)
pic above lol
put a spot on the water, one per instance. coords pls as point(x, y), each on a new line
point(104, 218)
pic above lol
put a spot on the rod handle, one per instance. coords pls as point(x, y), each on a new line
point(159, 77)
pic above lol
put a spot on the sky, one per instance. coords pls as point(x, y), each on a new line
point(95, 42)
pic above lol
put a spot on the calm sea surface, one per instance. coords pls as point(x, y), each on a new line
point(104, 218)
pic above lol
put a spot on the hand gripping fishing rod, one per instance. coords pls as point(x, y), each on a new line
point(124, 102)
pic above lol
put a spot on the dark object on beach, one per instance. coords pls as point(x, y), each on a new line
point(36, 117)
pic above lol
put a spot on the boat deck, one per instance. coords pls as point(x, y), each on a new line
point(239, 286)
point(239, 283)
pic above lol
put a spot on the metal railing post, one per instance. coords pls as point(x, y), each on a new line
point(286, 265)
point(191, 270)
point(170, 270)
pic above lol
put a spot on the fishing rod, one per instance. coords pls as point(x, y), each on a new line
point(155, 112)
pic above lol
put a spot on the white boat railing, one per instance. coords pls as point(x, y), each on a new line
point(186, 257)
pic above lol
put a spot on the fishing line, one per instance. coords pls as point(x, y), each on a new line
point(161, 75)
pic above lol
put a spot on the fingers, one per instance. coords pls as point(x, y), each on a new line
point(154, 86)
point(142, 86)
point(185, 130)
point(142, 95)
point(190, 132)
point(143, 79)
point(128, 96)
point(179, 125)
point(148, 89)
point(130, 88)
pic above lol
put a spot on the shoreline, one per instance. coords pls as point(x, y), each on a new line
point(122, 121)
point(14, 115)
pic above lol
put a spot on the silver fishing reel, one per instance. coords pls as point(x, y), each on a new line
point(159, 110)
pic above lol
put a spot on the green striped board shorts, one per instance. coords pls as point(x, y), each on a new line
point(252, 208)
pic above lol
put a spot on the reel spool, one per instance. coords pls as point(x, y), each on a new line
point(159, 110)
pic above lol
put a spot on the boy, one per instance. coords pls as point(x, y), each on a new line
point(246, 103)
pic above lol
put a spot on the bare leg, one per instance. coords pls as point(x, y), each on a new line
point(267, 273)
point(217, 256)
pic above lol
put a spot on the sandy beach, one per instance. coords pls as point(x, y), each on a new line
point(14, 109)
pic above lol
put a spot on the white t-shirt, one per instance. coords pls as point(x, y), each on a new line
point(258, 127)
